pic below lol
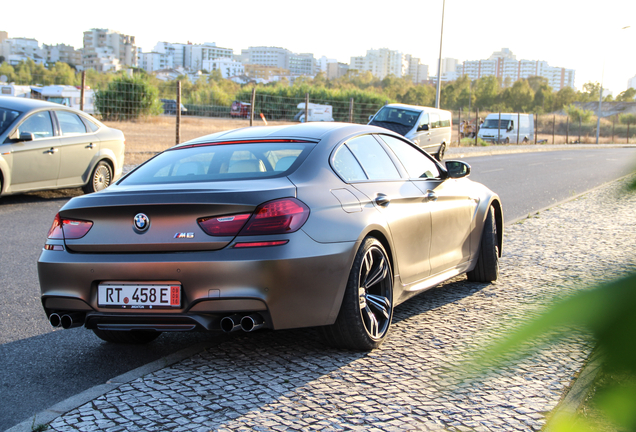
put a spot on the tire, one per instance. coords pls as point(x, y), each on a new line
point(100, 179)
point(134, 337)
point(367, 306)
point(487, 267)
point(507, 140)
point(440, 152)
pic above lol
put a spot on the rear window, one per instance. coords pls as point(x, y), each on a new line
point(221, 162)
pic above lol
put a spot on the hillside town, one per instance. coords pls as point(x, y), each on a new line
point(106, 50)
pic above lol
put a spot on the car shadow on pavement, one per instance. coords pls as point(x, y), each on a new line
point(41, 196)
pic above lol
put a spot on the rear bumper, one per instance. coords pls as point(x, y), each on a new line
point(299, 284)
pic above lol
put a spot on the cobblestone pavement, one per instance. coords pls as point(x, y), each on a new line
point(288, 380)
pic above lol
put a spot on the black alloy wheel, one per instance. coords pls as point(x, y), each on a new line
point(367, 307)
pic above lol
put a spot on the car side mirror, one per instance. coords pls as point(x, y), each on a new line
point(371, 117)
point(26, 136)
point(423, 127)
point(457, 169)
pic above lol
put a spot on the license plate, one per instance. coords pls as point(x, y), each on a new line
point(139, 296)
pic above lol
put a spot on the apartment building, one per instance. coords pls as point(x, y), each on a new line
point(381, 62)
point(504, 64)
point(107, 50)
point(16, 50)
point(62, 53)
point(416, 70)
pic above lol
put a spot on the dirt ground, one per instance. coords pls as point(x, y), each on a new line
point(146, 137)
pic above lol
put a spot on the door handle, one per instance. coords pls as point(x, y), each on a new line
point(382, 200)
point(51, 150)
point(431, 196)
point(90, 146)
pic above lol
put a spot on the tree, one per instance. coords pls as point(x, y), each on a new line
point(578, 114)
point(486, 90)
point(564, 97)
point(591, 92)
point(628, 95)
point(127, 98)
point(519, 97)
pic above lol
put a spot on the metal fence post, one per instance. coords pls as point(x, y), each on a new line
point(518, 126)
point(476, 123)
point(306, 107)
point(613, 124)
point(459, 128)
point(351, 110)
point(536, 129)
point(252, 107)
point(567, 130)
point(580, 129)
point(499, 129)
point(553, 124)
point(178, 122)
point(628, 123)
point(82, 91)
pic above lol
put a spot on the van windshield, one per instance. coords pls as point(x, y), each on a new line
point(396, 115)
point(493, 123)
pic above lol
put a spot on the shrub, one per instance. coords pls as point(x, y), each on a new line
point(127, 98)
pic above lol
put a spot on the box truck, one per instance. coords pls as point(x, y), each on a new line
point(507, 128)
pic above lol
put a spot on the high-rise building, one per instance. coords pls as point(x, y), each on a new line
point(504, 64)
point(416, 70)
point(631, 83)
point(106, 50)
point(381, 62)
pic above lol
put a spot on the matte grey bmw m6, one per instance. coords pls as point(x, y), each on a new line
point(326, 225)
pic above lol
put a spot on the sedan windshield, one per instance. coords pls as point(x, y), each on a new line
point(219, 162)
point(7, 118)
point(397, 115)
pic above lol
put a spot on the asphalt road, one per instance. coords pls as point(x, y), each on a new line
point(42, 366)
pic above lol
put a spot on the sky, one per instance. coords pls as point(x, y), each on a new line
point(586, 37)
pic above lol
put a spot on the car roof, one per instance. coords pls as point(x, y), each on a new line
point(413, 107)
point(26, 104)
point(314, 131)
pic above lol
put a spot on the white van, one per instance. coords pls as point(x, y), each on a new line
point(508, 128)
point(429, 128)
point(316, 113)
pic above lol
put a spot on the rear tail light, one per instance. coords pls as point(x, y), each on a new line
point(224, 225)
point(277, 217)
point(282, 216)
point(68, 229)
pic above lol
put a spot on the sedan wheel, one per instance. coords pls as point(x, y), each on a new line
point(100, 179)
point(487, 267)
point(367, 307)
point(136, 337)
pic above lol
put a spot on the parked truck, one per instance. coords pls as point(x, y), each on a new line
point(507, 128)
point(316, 112)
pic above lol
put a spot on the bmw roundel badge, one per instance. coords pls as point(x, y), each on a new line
point(141, 222)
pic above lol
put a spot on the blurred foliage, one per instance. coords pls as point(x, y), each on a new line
point(211, 92)
point(627, 118)
point(579, 114)
point(608, 313)
point(128, 98)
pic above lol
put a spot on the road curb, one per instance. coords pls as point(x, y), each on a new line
point(577, 393)
point(60, 408)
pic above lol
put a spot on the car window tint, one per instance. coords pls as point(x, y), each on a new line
point(7, 117)
point(424, 119)
point(416, 163)
point(221, 162)
point(39, 124)
point(346, 165)
point(434, 120)
point(374, 160)
point(70, 123)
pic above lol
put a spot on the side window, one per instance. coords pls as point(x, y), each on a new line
point(424, 119)
point(70, 123)
point(346, 165)
point(374, 160)
point(445, 119)
point(39, 124)
point(434, 120)
point(415, 162)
